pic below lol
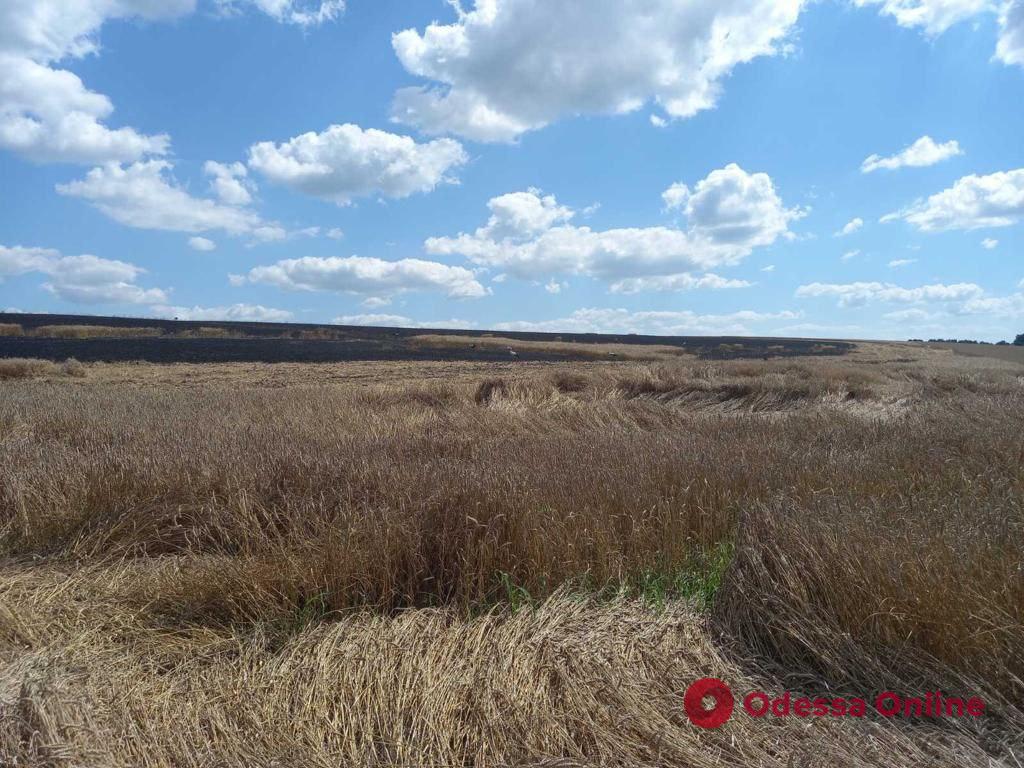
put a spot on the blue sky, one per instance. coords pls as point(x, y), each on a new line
point(655, 166)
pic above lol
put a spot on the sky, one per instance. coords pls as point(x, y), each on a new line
point(837, 168)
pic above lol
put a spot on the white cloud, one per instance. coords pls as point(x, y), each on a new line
point(47, 114)
point(376, 302)
point(964, 310)
point(370, 276)
point(345, 162)
point(933, 16)
point(664, 323)
point(769, 268)
point(1010, 47)
point(973, 202)
point(921, 153)
point(389, 321)
point(681, 282)
point(553, 286)
point(849, 255)
point(241, 312)
point(896, 263)
point(335, 233)
point(913, 315)
point(400, 321)
point(304, 14)
point(201, 244)
point(728, 214)
point(509, 66)
point(850, 227)
point(49, 30)
point(229, 183)
point(19, 260)
point(820, 330)
point(853, 294)
point(989, 243)
point(145, 195)
point(84, 279)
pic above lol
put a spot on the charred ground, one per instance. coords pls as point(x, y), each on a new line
point(182, 341)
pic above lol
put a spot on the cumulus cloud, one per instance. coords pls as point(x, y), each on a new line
point(19, 260)
point(1010, 48)
point(530, 235)
point(345, 162)
point(303, 14)
point(201, 244)
point(973, 202)
point(229, 182)
point(681, 282)
point(369, 276)
point(989, 243)
point(388, 321)
point(400, 321)
point(146, 196)
point(509, 66)
point(933, 17)
point(47, 114)
point(962, 309)
point(663, 323)
point(849, 255)
point(853, 294)
point(921, 153)
point(850, 227)
point(255, 313)
point(83, 279)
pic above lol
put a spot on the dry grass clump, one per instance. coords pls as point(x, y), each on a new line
point(572, 683)
point(31, 368)
point(94, 331)
point(603, 351)
point(518, 569)
point(11, 329)
point(208, 332)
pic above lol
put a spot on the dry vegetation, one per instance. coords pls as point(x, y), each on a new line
point(31, 368)
point(509, 565)
point(639, 352)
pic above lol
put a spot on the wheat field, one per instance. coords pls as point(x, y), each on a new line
point(469, 564)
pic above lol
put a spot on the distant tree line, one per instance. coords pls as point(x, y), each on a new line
point(1017, 342)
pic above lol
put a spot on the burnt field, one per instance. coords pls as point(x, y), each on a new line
point(174, 341)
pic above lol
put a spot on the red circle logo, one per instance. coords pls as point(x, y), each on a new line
point(693, 702)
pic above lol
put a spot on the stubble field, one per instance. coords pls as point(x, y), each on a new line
point(494, 564)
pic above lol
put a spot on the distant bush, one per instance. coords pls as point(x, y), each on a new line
point(1019, 341)
point(11, 329)
point(72, 367)
point(206, 332)
point(31, 368)
point(94, 331)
